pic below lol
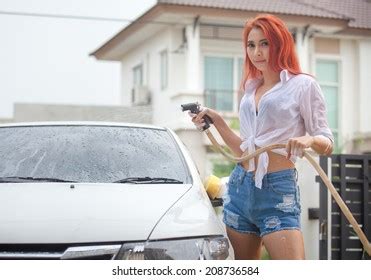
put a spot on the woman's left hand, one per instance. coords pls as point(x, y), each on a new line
point(296, 146)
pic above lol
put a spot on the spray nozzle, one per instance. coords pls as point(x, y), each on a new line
point(194, 107)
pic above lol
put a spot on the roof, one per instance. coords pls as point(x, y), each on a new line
point(354, 16)
point(358, 12)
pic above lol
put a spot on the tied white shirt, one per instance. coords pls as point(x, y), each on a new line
point(291, 108)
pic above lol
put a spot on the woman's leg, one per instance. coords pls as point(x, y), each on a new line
point(285, 245)
point(246, 246)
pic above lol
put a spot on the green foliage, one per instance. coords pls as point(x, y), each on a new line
point(222, 169)
point(234, 123)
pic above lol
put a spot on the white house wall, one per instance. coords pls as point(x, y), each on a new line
point(178, 84)
point(349, 113)
point(309, 197)
point(365, 85)
point(147, 54)
point(221, 47)
point(177, 71)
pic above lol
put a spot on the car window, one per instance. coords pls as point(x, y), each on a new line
point(90, 153)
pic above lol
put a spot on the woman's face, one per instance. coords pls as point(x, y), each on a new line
point(258, 49)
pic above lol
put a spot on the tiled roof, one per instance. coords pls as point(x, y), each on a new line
point(358, 12)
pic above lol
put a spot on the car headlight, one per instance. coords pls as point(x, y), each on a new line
point(211, 248)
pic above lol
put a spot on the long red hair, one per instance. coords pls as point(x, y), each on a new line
point(282, 54)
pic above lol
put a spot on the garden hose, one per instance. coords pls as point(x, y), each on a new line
point(344, 208)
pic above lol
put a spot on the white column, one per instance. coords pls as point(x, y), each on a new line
point(302, 48)
point(193, 58)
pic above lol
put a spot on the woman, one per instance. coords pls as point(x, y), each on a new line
point(280, 105)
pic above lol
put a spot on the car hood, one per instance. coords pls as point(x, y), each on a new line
point(61, 213)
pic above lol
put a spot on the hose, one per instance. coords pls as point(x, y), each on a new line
point(344, 208)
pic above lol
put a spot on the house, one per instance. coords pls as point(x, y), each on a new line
point(183, 51)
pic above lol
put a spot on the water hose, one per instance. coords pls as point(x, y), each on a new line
point(344, 208)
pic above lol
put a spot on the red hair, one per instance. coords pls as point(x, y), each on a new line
point(282, 54)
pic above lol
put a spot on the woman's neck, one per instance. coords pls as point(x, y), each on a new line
point(270, 78)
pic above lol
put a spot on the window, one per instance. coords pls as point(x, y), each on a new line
point(240, 70)
point(222, 78)
point(137, 80)
point(327, 72)
point(219, 86)
point(89, 153)
point(240, 62)
point(138, 75)
point(164, 69)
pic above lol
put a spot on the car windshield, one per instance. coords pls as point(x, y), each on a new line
point(96, 154)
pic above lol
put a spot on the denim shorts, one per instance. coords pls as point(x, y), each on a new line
point(274, 207)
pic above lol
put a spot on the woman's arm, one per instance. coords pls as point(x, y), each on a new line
point(320, 144)
point(232, 140)
point(313, 112)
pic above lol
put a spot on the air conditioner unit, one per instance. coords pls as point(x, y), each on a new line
point(140, 95)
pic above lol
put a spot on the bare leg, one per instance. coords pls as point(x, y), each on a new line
point(285, 245)
point(246, 246)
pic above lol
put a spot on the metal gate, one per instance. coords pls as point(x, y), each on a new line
point(351, 176)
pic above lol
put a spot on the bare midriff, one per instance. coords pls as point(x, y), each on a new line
point(277, 162)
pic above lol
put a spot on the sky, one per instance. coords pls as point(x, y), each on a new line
point(46, 60)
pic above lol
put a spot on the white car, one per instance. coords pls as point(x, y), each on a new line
point(83, 190)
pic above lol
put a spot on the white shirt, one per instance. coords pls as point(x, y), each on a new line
point(291, 108)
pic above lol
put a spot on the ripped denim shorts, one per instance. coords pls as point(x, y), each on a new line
point(274, 207)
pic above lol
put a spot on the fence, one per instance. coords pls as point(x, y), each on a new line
point(350, 175)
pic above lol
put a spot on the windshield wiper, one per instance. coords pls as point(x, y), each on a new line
point(149, 180)
point(40, 179)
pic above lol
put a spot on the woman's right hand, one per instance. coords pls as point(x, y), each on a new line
point(198, 120)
